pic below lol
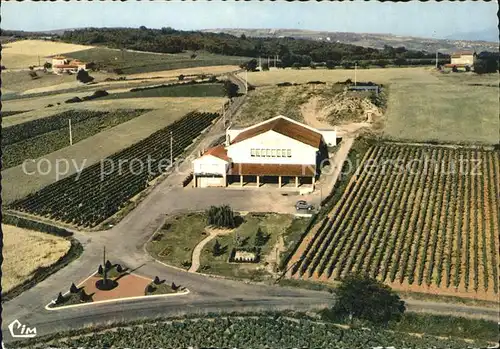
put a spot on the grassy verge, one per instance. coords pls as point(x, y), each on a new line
point(162, 288)
point(175, 241)
point(308, 285)
point(272, 225)
point(446, 299)
point(32, 148)
point(187, 90)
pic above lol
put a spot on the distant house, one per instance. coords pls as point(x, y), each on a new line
point(61, 64)
point(462, 60)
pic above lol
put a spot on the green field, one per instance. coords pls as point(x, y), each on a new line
point(187, 90)
point(143, 62)
point(271, 330)
point(37, 145)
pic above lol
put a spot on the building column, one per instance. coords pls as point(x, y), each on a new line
point(313, 182)
point(296, 182)
point(258, 181)
point(279, 181)
point(241, 180)
point(225, 181)
point(194, 181)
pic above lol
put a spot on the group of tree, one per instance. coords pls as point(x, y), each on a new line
point(221, 217)
point(291, 51)
point(487, 62)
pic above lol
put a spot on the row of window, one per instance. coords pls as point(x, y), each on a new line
point(271, 153)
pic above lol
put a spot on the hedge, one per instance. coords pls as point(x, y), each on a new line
point(34, 225)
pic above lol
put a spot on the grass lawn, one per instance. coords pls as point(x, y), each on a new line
point(196, 90)
point(35, 147)
point(162, 288)
point(142, 62)
point(178, 238)
point(273, 225)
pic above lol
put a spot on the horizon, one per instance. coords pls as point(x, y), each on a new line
point(345, 17)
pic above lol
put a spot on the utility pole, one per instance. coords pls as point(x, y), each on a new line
point(260, 62)
point(70, 133)
point(355, 71)
point(105, 271)
point(246, 81)
point(171, 153)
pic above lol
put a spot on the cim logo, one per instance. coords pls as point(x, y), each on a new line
point(18, 330)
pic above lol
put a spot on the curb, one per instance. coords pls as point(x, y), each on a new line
point(47, 307)
point(116, 300)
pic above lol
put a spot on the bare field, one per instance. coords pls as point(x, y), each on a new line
point(24, 251)
point(423, 105)
point(22, 54)
point(17, 183)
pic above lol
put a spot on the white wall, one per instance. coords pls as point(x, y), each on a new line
point(301, 153)
point(330, 137)
point(210, 165)
point(463, 60)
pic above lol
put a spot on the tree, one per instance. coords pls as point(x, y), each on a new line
point(260, 238)
point(217, 249)
point(47, 65)
point(330, 64)
point(156, 280)
point(296, 65)
point(84, 77)
point(382, 63)
point(108, 265)
point(400, 61)
point(100, 271)
point(60, 298)
point(181, 77)
point(230, 89)
point(454, 69)
point(312, 66)
point(365, 298)
point(265, 66)
point(486, 65)
point(73, 288)
point(221, 217)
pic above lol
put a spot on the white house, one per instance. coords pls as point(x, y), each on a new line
point(462, 60)
point(279, 150)
point(61, 64)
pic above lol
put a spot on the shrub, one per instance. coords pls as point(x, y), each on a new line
point(264, 67)
point(100, 270)
point(181, 77)
point(174, 286)
point(221, 217)
point(60, 298)
point(454, 69)
point(156, 280)
point(100, 93)
point(73, 288)
point(118, 71)
point(119, 268)
point(261, 238)
point(280, 84)
point(212, 79)
point(84, 77)
point(217, 249)
point(296, 65)
point(150, 289)
point(73, 100)
point(108, 265)
point(49, 105)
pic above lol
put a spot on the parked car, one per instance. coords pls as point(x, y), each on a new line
point(303, 205)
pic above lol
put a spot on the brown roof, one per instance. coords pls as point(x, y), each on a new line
point(462, 53)
point(286, 128)
point(66, 66)
point(218, 151)
point(272, 170)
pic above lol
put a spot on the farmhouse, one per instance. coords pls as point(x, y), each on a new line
point(278, 151)
point(61, 64)
point(462, 60)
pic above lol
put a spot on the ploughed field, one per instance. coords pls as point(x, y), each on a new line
point(419, 218)
point(88, 198)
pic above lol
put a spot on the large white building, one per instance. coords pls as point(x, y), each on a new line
point(279, 150)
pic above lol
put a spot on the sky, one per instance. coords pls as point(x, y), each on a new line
point(422, 19)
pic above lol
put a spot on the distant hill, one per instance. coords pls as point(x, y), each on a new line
point(376, 40)
point(490, 35)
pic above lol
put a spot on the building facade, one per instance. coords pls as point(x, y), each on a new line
point(280, 150)
point(61, 64)
point(462, 60)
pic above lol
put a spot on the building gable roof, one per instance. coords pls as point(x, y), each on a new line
point(218, 151)
point(285, 127)
point(462, 53)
